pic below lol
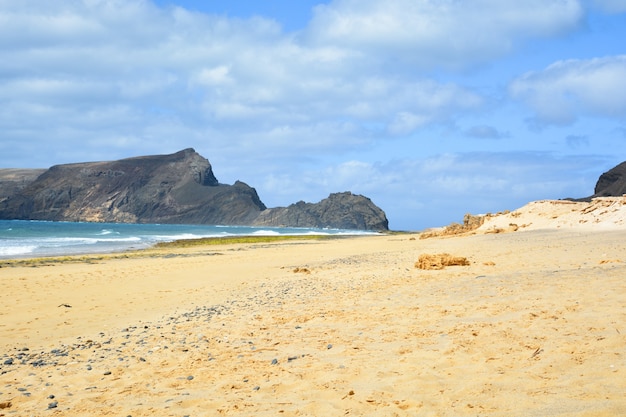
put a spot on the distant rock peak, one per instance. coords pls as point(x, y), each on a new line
point(339, 210)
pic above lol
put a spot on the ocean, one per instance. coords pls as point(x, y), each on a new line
point(31, 238)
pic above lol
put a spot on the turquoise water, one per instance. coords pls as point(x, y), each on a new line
point(21, 238)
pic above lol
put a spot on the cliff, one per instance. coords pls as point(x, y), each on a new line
point(177, 188)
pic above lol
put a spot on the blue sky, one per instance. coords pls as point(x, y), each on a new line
point(432, 108)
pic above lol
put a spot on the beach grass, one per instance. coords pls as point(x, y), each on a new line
point(225, 240)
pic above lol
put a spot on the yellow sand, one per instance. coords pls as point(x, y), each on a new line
point(534, 326)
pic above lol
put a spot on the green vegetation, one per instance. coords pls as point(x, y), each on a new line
point(187, 243)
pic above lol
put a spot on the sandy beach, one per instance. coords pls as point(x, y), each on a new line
point(535, 325)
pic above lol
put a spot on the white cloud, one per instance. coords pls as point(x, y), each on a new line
point(404, 123)
point(570, 89)
point(243, 78)
point(297, 115)
point(448, 33)
point(215, 76)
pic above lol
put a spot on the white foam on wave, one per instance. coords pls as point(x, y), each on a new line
point(17, 250)
point(56, 242)
point(187, 236)
point(265, 233)
point(106, 232)
point(121, 239)
point(356, 233)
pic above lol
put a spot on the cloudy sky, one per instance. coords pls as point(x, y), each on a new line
point(432, 108)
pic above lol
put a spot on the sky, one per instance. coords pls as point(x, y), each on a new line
point(431, 108)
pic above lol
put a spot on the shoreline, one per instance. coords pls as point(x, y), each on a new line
point(32, 239)
point(327, 327)
point(161, 248)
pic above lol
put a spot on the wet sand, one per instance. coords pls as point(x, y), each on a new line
point(533, 326)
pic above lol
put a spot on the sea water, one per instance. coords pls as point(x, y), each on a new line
point(31, 238)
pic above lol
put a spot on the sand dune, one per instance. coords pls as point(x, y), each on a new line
point(533, 326)
point(603, 213)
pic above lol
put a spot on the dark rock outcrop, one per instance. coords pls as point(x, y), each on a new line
point(340, 210)
point(177, 188)
point(610, 184)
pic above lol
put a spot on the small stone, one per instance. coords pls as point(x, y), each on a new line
point(256, 388)
point(274, 361)
point(51, 397)
point(329, 346)
point(53, 404)
point(9, 361)
point(107, 373)
point(190, 378)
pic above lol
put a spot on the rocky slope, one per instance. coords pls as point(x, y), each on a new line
point(340, 210)
point(12, 181)
point(176, 188)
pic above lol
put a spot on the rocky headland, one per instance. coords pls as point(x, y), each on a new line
point(177, 188)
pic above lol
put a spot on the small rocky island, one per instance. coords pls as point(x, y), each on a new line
point(178, 188)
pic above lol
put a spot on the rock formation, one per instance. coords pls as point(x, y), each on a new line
point(177, 188)
point(339, 210)
point(611, 183)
